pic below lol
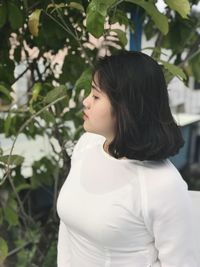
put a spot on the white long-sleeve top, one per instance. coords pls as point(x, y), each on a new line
point(123, 213)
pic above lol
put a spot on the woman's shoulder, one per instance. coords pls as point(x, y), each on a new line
point(86, 140)
point(163, 190)
point(162, 181)
point(162, 172)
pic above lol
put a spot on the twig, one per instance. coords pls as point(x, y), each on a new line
point(59, 24)
point(55, 193)
point(21, 75)
point(61, 18)
point(24, 215)
point(22, 128)
point(18, 249)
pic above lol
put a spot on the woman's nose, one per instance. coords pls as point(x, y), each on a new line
point(85, 102)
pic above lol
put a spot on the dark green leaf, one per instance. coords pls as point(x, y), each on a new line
point(5, 92)
point(43, 172)
point(84, 82)
point(15, 16)
point(23, 186)
point(3, 14)
point(17, 54)
point(7, 71)
point(11, 215)
point(72, 68)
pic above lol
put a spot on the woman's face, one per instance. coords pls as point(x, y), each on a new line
point(98, 109)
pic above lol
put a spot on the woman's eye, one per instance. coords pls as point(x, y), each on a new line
point(95, 97)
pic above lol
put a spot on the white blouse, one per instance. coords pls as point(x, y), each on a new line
point(122, 212)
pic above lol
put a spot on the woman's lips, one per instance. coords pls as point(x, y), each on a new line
point(85, 116)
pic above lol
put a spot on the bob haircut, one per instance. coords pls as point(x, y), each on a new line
point(136, 87)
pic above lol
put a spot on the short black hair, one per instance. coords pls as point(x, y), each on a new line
point(136, 87)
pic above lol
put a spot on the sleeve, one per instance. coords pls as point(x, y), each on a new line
point(170, 217)
point(63, 246)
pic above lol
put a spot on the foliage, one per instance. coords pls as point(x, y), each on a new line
point(29, 229)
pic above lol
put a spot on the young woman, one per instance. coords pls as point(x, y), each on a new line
point(124, 204)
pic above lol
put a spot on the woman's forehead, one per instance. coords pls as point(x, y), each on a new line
point(96, 78)
point(96, 88)
point(95, 83)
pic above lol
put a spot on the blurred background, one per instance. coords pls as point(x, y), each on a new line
point(47, 51)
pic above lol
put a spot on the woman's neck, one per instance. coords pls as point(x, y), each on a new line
point(105, 147)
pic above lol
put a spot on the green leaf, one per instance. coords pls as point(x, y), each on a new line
point(5, 91)
point(76, 6)
point(94, 21)
point(47, 116)
point(78, 132)
point(56, 6)
point(1, 215)
point(160, 20)
point(72, 68)
point(121, 36)
point(84, 82)
point(194, 64)
point(96, 14)
point(119, 17)
point(175, 70)
point(55, 94)
point(6, 68)
point(10, 213)
point(33, 22)
point(181, 6)
point(3, 250)
point(14, 159)
point(43, 172)
point(17, 54)
point(3, 14)
point(7, 124)
point(23, 186)
point(37, 87)
point(15, 16)
point(50, 258)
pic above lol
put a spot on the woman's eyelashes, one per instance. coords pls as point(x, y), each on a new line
point(95, 97)
point(92, 93)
